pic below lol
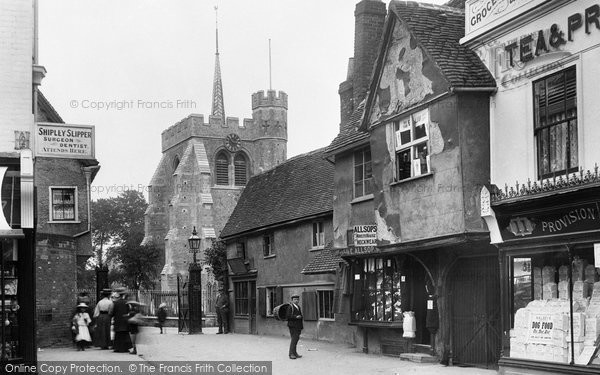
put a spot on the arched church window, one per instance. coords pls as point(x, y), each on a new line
point(241, 169)
point(222, 168)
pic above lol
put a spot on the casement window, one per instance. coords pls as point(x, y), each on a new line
point(241, 298)
point(269, 244)
point(325, 298)
point(222, 168)
point(241, 169)
point(363, 174)
point(318, 235)
point(240, 249)
point(63, 204)
point(555, 123)
point(412, 145)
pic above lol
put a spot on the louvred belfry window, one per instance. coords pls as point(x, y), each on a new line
point(241, 170)
point(222, 169)
point(555, 127)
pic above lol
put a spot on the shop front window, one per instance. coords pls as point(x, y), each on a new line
point(555, 306)
point(378, 290)
point(9, 304)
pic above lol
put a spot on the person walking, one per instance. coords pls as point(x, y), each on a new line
point(162, 316)
point(102, 316)
point(81, 320)
point(120, 315)
point(294, 319)
point(134, 320)
point(222, 307)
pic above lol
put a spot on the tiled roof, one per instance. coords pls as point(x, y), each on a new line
point(48, 110)
point(300, 187)
point(438, 29)
point(350, 132)
point(325, 261)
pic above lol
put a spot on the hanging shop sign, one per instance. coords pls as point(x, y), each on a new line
point(65, 141)
point(568, 220)
point(365, 235)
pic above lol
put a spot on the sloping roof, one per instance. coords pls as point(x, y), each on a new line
point(456, 4)
point(300, 187)
point(324, 262)
point(48, 110)
point(350, 133)
point(438, 29)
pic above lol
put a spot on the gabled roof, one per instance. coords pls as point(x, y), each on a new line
point(298, 188)
point(325, 261)
point(438, 30)
point(350, 132)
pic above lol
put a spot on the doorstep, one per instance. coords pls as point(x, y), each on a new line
point(418, 357)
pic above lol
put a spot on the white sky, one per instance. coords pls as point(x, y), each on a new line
point(163, 50)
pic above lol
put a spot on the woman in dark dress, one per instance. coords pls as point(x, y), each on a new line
point(122, 342)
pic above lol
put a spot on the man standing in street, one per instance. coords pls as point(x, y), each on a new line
point(222, 306)
point(294, 318)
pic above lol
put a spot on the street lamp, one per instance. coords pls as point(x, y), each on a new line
point(195, 286)
point(194, 243)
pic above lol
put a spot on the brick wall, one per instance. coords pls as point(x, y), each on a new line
point(16, 44)
point(368, 28)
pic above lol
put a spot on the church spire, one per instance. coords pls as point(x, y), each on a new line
point(218, 107)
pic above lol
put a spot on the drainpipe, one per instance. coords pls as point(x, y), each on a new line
point(88, 171)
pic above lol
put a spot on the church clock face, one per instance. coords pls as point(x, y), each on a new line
point(233, 142)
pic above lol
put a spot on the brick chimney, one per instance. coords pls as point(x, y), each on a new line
point(369, 17)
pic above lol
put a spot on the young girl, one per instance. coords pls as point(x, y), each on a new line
point(162, 316)
point(81, 320)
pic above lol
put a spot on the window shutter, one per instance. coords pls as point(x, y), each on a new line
point(262, 301)
point(309, 305)
point(278, 295)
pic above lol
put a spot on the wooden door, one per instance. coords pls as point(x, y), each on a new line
point(475, 311)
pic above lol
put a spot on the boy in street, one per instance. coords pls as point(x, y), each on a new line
point(294, 319)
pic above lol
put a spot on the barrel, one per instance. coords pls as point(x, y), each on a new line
point(280, 312)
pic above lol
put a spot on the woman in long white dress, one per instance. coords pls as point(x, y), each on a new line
point(81, 320)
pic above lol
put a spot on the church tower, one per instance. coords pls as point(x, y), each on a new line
point(204, 168)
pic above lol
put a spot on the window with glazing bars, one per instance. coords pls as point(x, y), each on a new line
point(63, 204)
point(362, 172)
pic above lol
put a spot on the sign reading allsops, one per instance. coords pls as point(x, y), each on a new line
point(65, 141)
point(365, 235)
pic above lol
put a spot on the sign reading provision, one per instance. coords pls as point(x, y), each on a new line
point(65, 141)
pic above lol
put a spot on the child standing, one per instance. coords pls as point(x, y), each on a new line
point(162, 316)
point(81, 320)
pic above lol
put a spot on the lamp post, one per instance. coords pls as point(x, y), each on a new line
point(195, 286)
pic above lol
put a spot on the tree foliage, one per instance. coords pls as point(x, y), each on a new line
point(216, 257)
point(118, 230)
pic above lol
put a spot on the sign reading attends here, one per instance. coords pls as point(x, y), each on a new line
point(65, 141)
point(540, 328)
point(480, 13)
point(365, 235)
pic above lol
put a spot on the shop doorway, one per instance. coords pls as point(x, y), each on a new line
point(474, 291)
point(418, 299)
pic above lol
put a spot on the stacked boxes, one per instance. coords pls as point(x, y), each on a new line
point(549, 286)
point(537, 283)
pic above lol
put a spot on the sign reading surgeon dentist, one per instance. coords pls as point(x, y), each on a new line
point(65, 141)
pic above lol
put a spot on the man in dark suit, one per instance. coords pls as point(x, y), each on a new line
point(120, 314)
point(222, 306)
point(294, 319)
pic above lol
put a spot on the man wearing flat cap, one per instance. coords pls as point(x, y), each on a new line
point(222, 306)
point(294, 319)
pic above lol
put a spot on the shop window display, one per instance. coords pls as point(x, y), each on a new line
point(555, 315)
point(378, 290)
point(9, 303)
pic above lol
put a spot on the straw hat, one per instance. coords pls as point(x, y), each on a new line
point(162, 305)
point(82, 305)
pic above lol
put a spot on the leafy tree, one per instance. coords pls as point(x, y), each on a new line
point(216, 257)
point(118, 230)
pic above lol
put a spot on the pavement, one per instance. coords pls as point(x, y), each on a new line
point(318, 357)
